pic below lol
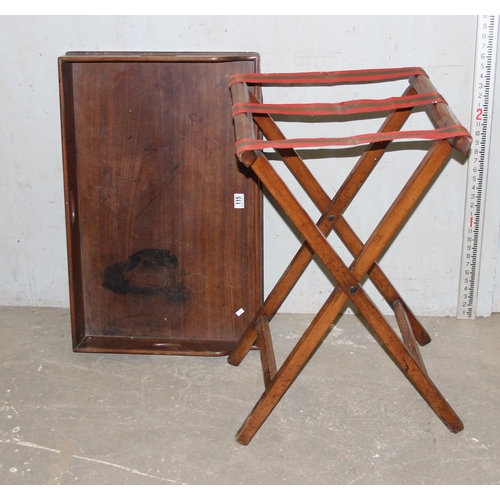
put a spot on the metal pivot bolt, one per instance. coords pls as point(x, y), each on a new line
point(353, 289)
point(331, 217)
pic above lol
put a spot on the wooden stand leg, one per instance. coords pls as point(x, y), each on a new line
point(290, 369)
point(407, 334)
point(266, 350)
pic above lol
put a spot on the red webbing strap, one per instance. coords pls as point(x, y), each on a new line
point(328, 77)
point(435, 134)
point(341, 108)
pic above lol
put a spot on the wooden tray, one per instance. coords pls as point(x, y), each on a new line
point(162, 259)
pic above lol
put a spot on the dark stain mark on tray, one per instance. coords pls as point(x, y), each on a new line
point(150, 271)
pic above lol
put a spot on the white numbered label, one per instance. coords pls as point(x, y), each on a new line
point(239, 200)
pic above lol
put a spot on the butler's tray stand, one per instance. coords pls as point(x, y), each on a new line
point(445, 133)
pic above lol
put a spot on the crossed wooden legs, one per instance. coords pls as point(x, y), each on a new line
point(404, 352)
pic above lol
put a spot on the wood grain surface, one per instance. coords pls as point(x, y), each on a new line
point(160, 259)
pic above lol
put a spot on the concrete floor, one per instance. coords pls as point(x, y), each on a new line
point(350, 417)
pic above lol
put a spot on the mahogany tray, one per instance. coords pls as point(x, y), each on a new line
point(164, 225)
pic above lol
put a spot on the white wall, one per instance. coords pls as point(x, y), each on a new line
point(424, 260)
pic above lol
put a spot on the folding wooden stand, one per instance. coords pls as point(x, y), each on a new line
point(445, 134)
